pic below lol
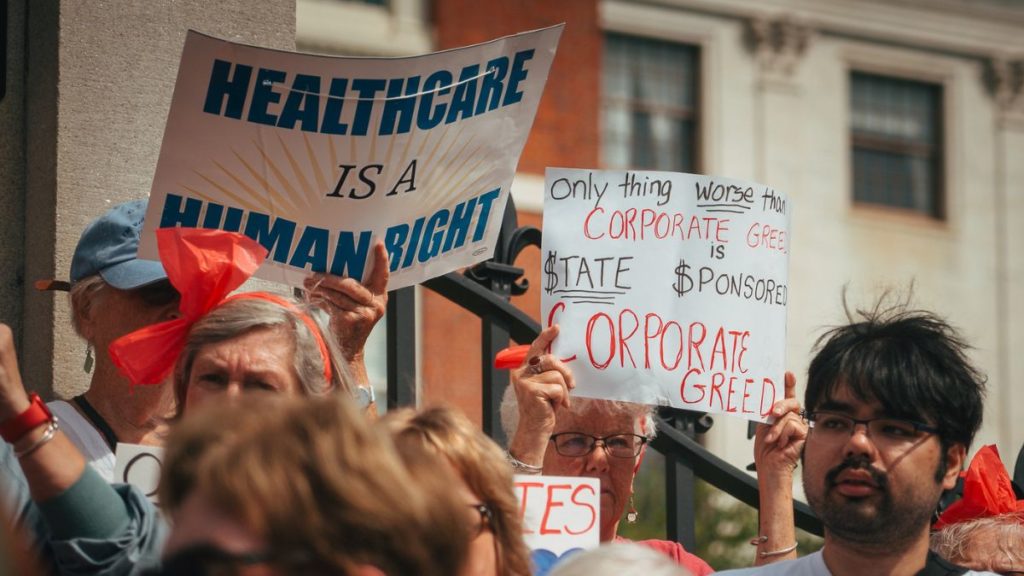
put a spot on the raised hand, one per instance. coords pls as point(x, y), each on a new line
point(542, 384)
point(354, 307)
point(777, 446)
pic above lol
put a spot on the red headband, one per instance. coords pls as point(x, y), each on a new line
point(988, 491)
point(204, 266)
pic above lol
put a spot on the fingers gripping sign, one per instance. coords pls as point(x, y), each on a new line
point(777, 445)
point(542, 385)
point(355, 307)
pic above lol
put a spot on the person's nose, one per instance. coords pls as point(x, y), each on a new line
point(860, 442)
point(597, 460)
point(233, 390)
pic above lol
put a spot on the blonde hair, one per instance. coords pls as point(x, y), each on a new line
point(311, 477)
point(443, 431)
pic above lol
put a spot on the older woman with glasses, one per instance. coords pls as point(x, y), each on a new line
point(554, 433)
point(497, 546)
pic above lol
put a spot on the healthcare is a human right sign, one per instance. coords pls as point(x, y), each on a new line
point(316, 157)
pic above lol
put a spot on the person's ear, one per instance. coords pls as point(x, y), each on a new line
point(955, 457)
point(85, 318)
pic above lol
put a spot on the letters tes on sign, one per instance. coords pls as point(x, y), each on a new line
point(560, 513)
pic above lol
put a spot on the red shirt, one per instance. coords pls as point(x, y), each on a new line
point(676, 552)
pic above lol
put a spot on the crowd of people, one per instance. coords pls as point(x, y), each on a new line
point(276, 463)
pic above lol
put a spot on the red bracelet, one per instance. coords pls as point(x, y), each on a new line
point(36, 415)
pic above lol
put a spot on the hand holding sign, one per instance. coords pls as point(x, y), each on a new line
point(355, 307)
point(777, 446)
point(542, 386)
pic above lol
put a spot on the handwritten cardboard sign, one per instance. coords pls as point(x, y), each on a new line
point(670, 289)
point(139, 466)
point(316, 157)
point(561, 514)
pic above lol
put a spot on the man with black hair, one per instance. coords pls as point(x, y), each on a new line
point(893, 403)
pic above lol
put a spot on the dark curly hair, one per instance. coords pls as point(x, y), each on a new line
point(911, 361)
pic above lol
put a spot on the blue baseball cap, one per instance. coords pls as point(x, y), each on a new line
point(109, 247)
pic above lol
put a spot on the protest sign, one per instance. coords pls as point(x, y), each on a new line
point(561, 515)
point(670, 289)
point(140, 466)
point(316, 157)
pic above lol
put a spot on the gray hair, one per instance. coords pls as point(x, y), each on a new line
point(643, 415)
point(954, 541)
point(82, 297)
point(619, 558)
point(239, 316)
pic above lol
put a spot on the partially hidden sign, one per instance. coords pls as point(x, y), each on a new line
point(139, 466)
point(561, 515)
point(316, 157)
point(670, 289)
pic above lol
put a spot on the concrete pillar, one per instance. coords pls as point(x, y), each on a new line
point(1005, 81)
point(98, 79)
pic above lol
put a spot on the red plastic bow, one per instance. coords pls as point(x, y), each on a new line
point(988, 491)
point(204, 266)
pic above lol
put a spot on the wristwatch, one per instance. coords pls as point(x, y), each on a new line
point(35, 415)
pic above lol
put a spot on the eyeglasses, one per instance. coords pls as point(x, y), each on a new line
point(206, 559)
point(578, 444)
point(486, 516)
point(884, 432)
point(158, 294)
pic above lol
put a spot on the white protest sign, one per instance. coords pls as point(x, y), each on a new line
point(560, 514)
point(316, 157)
point(139, 466)
point(670, 289)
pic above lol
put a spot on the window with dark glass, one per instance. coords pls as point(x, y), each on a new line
point(649, 114)
point(896, 131)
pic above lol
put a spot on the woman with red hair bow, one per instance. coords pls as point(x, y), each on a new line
point(250, 341)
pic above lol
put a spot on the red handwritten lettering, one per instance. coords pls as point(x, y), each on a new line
point(590, 507)
point(624, 337)
point(552, 503)
point(765, 236)
point(524, 489)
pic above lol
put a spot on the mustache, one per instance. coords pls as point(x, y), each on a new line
point(857, 463)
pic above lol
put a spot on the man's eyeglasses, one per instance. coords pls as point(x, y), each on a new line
point(884, 432)
point(577, 444)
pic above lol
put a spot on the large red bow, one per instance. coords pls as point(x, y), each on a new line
point(204, 266)
point(988, 491)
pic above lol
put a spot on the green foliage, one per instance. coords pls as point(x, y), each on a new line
point(724, 526)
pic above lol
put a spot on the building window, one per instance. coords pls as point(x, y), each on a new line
point(896, 130)
point(650, 104)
